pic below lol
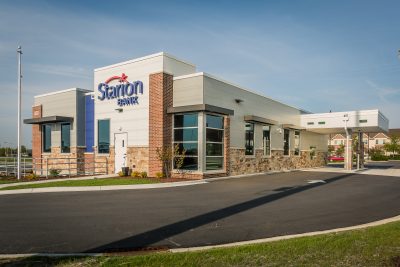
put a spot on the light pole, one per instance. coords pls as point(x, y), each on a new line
point(346, 163)
point(19, 54)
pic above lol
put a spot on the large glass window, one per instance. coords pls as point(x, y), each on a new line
point(249, 139)
point(286, 145)
point(186, 137)
point(46, 132)
point(297, 143)
point(65, 138)
point(103, 136)
point(267, 140)
point(214, 142)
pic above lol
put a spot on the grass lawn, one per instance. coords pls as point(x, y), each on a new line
point(5, 181)
point(375, 246)
point(88, 182)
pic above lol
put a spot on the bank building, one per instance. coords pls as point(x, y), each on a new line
point(141, 105)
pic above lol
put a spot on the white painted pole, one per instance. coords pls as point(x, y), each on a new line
point(346, 119)
point(19, 52)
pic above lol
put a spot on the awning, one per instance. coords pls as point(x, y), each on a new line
point(256, 119)
point(49, 119)
point(200, 107)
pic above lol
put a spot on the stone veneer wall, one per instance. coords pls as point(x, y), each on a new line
point(242, 164)
point(138, 158)
point(72, 163)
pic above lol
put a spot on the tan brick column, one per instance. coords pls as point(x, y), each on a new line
point(160, 123)
point(227, 140)
point(348, 152)
point(36, 133)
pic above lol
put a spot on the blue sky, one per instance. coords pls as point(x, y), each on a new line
point(316, 55)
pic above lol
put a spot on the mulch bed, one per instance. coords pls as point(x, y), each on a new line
point(160, 180)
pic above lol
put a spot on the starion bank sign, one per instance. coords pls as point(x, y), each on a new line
point(125, 92)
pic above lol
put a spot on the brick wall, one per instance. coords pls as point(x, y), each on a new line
point(36, 133)
point(160, 123)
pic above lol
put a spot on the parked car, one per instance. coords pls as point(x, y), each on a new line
point(336, 158)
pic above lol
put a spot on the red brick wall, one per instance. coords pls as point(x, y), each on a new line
point(36, 133)
point(160, 123)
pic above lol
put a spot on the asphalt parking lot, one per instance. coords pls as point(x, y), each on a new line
point(214, 213)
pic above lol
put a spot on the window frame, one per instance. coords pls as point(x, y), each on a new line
point(288, 143)
point(174, 142)
point(222, 143)
point(61, 146)
point(109, 136)
point(299, 144)
point(263, 141)
point(245, 139)
point(44, 139)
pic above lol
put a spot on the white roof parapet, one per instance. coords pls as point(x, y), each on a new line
point(144, 58)
point(333, 122)
point(64, 91)
point(204, 74)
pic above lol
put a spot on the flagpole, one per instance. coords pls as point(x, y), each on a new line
point(19, 53)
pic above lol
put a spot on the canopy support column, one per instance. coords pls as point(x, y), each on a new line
point(360, 151)
point(348, 155)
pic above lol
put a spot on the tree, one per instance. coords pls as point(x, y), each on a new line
point(168, 155)
point(376, 151)
point(331, 149)
point(393, 146)
point(340, 150)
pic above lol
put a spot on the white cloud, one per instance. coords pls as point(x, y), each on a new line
point(61, 70)
point(385, 94)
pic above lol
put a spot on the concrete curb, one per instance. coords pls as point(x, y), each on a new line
point(99, 188)
point(235, 244)
point(278, 238)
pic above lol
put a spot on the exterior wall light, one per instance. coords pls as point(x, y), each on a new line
point(238, 101)
point(119, 110)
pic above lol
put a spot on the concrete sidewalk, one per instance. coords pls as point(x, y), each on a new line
point(366, 171)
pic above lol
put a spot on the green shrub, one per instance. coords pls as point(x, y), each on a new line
point(32, 176)
point(395, 157)
point(160, 175)
point(55, 172)
point(135, 174)
point(377, 157)
point(143, 174)
point(120, 174)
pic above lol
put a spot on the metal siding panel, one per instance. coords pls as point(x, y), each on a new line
point(89, 123)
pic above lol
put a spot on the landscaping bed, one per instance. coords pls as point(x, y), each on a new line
point(94, 182)
point(374, 246)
